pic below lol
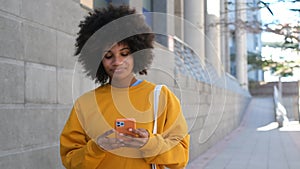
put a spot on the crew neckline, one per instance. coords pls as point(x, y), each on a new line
point(136, 82)
point(131, 88)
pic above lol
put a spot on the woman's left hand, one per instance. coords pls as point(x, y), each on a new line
point(136, 142)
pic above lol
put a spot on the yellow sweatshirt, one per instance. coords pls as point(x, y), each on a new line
point(95, 112)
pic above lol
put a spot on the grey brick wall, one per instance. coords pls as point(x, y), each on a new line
point(36, 44)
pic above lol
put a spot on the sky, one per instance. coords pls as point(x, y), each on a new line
point(281, 10)
point(282, 14)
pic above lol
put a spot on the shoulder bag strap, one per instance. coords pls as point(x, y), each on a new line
point(155, 109)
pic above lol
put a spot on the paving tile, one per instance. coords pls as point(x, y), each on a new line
point(259, 143)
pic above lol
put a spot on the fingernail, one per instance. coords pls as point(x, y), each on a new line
point(121, 134)
point(130, 129)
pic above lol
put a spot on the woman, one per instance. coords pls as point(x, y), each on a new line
point(89, 139)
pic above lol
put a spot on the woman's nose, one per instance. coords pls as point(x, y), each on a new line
point(118, 60)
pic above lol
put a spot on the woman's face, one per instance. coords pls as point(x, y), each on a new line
point(118, 62)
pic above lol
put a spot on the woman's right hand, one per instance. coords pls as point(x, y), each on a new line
point(108, 143)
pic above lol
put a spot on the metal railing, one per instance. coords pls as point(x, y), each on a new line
point(280, 111)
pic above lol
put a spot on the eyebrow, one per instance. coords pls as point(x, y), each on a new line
point(125, 48)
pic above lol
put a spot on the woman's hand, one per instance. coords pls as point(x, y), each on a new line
point(108, 143)
point(142, 137)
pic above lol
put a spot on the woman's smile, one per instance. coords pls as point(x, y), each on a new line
point(119, 70)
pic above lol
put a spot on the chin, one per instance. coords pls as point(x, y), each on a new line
point(119, 76)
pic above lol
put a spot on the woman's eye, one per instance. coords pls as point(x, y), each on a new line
point(125, 53)
point(108, 55)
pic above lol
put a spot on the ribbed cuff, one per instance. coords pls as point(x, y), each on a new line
point(152, 147)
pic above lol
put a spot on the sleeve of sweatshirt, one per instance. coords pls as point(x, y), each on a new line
point(76, 149)
point(170, 147)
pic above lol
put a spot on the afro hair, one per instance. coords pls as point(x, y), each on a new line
point(135, 33)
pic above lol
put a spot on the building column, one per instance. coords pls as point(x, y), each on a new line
point(212, 32)
point(241, 44)
point(179, 15)
point(170, 18)
point(225, 50)
point(194, 27)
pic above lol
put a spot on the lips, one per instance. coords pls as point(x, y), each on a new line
point(118, 70)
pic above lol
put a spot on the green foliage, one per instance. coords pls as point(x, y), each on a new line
point(283, 69)
point(284, 45)
point(255, 61)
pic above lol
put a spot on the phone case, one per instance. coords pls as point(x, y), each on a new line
point(122, 125)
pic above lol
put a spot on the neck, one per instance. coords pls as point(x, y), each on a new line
point(124, 83)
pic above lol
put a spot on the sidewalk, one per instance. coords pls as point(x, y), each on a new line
point(257, 144)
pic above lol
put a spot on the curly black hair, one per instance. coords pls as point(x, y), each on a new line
point(141, 37)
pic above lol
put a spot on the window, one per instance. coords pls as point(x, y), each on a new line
point(147, 7)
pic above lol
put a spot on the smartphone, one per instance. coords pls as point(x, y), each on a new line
point(122, 125)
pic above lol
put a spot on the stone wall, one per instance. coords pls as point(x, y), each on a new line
point(36, 45)
point(40, 80)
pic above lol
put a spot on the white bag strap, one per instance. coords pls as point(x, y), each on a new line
point(155, 106)
point(155, 109)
